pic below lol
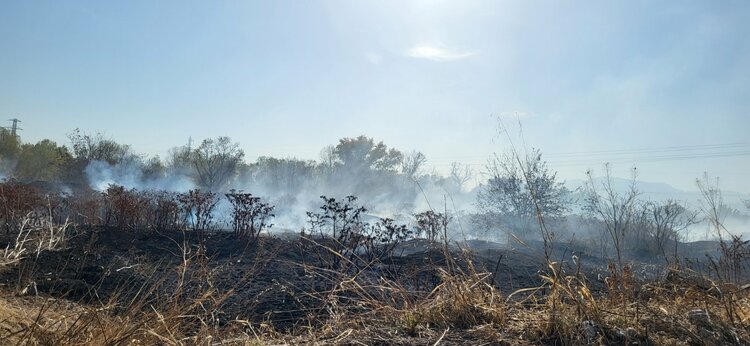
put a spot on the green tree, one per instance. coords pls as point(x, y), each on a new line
point(216, 162)
point(94, 147)
point(153, 168)
point(283, 175)
point(44, 160)
point(370, 170)
point(179, 158)
point(10, 148)
point(88, 147)
point(520, 191)
point(362, 154)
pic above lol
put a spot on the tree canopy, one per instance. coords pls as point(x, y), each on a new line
point(362, 153)
point(216, 162)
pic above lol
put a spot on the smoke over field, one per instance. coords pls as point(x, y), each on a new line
point(205, 240)
point(411, 172)
point(514, 190)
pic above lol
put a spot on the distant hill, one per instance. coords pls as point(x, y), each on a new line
point(662, 191)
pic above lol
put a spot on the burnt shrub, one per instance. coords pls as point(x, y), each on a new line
point(356, 243)
point(124, 208)
point(250, 215)
point(339, 218)
point(83, 207)
point(17, 200)
point(164, 211)
point(197, 208)
point(341, 222)
point(383, 237)
point(431, 224)
point(732, 264)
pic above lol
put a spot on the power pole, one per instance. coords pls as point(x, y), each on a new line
point(190, 144)
point(14, 128)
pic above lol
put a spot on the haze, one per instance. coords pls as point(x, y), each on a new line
point(654, 84)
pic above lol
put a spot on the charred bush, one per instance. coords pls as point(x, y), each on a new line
point(432, 224)
point(731, 266)
point(355, 242)
point(17, 200)
point(250, 215)
point(383, 237)
point(343, 221)
point(165, 211)
point(84, 207)
point(124, 208)
point(197, 207)
point(341, 218)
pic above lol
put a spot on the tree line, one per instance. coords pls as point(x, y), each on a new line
point(213, 165)
point(358, 166)
point(521, 198)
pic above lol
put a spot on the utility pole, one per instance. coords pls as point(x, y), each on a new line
point(190, 144)
point(14, 128)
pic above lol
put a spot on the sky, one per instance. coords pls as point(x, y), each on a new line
point(655, 84)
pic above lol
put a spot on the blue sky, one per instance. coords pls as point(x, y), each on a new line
point(662, 85)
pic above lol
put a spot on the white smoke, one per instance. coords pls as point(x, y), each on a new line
point(101, 174)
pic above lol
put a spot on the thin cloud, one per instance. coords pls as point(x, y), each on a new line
point(437, 53)
point(374, 58)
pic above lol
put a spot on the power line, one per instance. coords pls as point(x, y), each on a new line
point(653, 154)
point(647, 159)
point(655, 149)
point(615, 152)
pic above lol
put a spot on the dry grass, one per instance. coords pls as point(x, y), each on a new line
point(34, 235)
point(362, 306)
point(463, 308)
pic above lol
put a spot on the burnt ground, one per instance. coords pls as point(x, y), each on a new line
point(280, 280)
